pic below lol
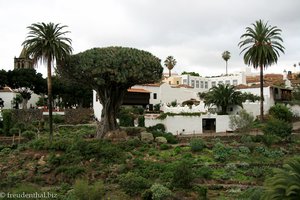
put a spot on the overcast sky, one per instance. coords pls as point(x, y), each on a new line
point(195, 32)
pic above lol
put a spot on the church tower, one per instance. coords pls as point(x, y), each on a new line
point(23, 61)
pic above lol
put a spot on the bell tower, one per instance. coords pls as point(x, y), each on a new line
point(23, 61)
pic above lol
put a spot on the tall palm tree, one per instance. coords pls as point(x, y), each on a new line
point(226, 56)
point(285, 184)
point(170, 62)
point(46, 43)
point(261, 45)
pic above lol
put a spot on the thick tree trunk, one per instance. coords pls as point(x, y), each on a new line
point(50, 99)
point(261, 93)
point(111, 100)
point(170, 73)
point(24, 103)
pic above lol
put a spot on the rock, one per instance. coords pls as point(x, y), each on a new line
point(161, 140)
point(41, 161)
point(117, 135)
point(146, 137)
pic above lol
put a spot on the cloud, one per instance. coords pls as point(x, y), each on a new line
point(194, 32)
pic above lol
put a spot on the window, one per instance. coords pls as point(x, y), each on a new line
point(213, 83)
point(234, 82)
point(184, 81)
point(201, 84)
point(154, 96)
point(227, 82)
point(169, 82)
point(192, 83)
point(197, 84)
point(177, 82)
point(206, 84)
point(220, 82)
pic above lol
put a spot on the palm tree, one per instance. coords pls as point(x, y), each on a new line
point(170, 62)
point(226, 56)
point(223, 96)
point(261, 46)
point(285, 184)
point(46, 43)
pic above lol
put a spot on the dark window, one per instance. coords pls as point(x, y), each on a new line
point(154, 96)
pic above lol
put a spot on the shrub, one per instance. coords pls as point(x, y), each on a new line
point(21, 126)
point(141, 121)
point(39, 144)
point(202, 192)
point(204, 172)
point(126, 119)
point(7, 121)
point(83, 191)
point(157, 127)
point(14, 131)
point(28, 135)
point(278, 127)
point(244, 150)
point(280, 111)
point(156, 107)
point(197, 145)
point(58, 119)
point(254, 193)
point(133, 184)
point(160, 192)
point(243, 122)
point(221, 152)
point(70, 171)
point(164, 146)
point(183, 174)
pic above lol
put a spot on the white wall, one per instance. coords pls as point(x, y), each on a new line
point(7, 97)
point(188, 124)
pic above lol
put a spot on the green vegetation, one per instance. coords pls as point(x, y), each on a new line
point(203, 167)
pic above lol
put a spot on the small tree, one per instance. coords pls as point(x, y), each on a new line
point(280, 111)
point(242, 122)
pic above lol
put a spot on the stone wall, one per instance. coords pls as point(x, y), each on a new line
point(78, 116)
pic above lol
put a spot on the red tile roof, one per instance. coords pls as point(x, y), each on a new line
point(138, 90)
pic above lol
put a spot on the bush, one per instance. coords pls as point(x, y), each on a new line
point(7, 121)
point(243, 122)
point(183, 174)
point(197, 145)
point(126, 119)
point(169, 136)
point(157, 127)
point(280, 111)
point(58, 119)
point(70, 171)
point(133, 184)
point(160, 192)
point(164, 147)
point(221, 152)
point(83, 191)
point(278, 127)
point(141, 121)
point(204, 172)
point(14, 131)
point(28, 135)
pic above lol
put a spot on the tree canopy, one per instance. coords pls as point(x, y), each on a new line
point(190, 73)
point(110, 71)
point(225, 95)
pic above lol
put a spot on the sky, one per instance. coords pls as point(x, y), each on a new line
point(194, 32)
